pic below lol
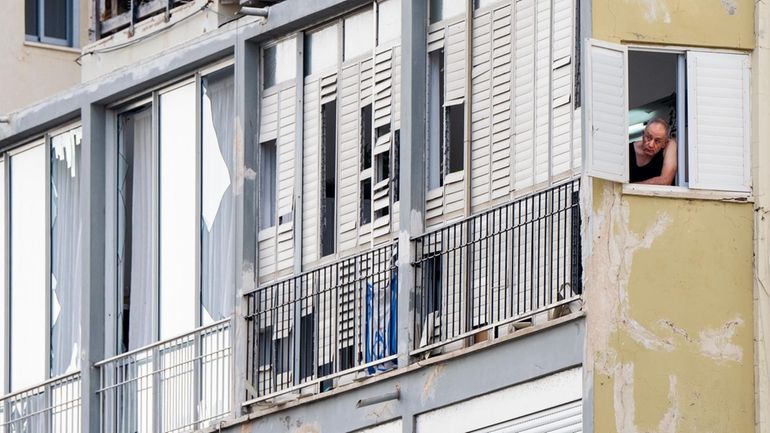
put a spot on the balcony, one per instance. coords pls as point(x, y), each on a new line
point(313, 331)
point(52, 406)
point(497, 271)
point(178, 385)
point(115, 15)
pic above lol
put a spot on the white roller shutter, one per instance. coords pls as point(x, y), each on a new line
point(607, 111)
point(567, 418)
point(718, 114)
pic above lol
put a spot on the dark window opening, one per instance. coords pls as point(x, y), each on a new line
point(433, 284)
point(655, 89)
point(283, 354)
point(307, 337)
point(383, 166)
point(395, 181)
point(455, 135)
point(347, 358)
point(265, 346)
point(366, 137)
point(267, 184)
point(329, 177)
point(379, 213)
point(382, 130)
point(435, 124)
point(366, 201)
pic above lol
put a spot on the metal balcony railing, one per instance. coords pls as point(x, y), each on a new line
point(504, 265)
point(53, 406)
point(308, 331)
point(182, 384)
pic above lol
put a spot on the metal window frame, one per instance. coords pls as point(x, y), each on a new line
point(5, 287)
point(152, 98)
point(71, 17)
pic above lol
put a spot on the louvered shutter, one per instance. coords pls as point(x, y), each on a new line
point(718, 115)
point(607, 111)
point(310, 178)
point(285, 220)
point(348, 161)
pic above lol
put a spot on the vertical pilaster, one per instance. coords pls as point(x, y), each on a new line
point(246, 128)
point(93, 253)
point(414, 18)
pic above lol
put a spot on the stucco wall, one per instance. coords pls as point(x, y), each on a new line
point(30, 72)
point(669, 295)
point(712, 23)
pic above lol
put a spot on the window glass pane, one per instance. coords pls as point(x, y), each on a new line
point(135, 314)
point(55, 19)
point(30, 17)
point(66, 235)
point(388, 21)
point(218, 201)
point(267, 185)
point(280, 62)
point(321, 50)
point(359, 35)
point(28, 291)
point(178, 218)
point(445, 9)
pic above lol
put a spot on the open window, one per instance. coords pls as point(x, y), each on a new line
point(703, 96)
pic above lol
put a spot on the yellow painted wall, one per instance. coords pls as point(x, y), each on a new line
point(669, 292)
point(711, 23)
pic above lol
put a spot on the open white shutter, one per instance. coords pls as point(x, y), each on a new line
point(718, 114)
point(607, 111)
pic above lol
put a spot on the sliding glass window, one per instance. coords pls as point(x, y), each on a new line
point(28, 267)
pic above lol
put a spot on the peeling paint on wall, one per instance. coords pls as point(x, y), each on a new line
point(655, 10)
point(667, 300)
point(730, 6)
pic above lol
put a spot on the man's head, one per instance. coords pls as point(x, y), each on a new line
point(655, 136)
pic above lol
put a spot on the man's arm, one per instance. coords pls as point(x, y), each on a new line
point(668, 172)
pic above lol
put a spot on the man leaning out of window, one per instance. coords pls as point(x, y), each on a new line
point(653, 158)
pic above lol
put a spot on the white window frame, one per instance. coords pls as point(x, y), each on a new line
point(593, 164)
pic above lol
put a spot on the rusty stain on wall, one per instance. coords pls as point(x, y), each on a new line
point(428, 390)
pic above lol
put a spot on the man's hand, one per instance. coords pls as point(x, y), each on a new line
point(668, 172)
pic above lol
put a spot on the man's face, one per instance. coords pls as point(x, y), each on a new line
point(654, 139)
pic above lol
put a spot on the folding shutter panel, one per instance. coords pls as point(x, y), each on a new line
point(718, 114)
point(607, 111)
point(310, 187)
point(349, 159)
point(286, 134)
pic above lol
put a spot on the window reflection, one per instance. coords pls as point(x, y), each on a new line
point(178, 231)
point(28, 291)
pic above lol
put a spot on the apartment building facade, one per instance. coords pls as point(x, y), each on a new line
point(389, 216)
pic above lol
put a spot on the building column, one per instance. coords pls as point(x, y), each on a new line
point(92, 311)
point(247, 116)
point(414, 18)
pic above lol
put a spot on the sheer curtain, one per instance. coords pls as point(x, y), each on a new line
point(135, 229)
point(218, 225)
point(66, 260)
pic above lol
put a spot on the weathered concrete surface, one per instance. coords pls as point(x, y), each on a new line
point(712, 23)
point(670, 312)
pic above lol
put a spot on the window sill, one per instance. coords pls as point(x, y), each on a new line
point(685, 193)
point(52, 47)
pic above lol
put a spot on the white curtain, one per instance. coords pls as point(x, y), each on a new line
point(135, 229)
point(66, 260)
point(218, 207)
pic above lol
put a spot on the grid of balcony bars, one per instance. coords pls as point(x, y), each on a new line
point(503, 265)
point(178, 385)
point(313, 328)
point(115, 15)
point(53, 406)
